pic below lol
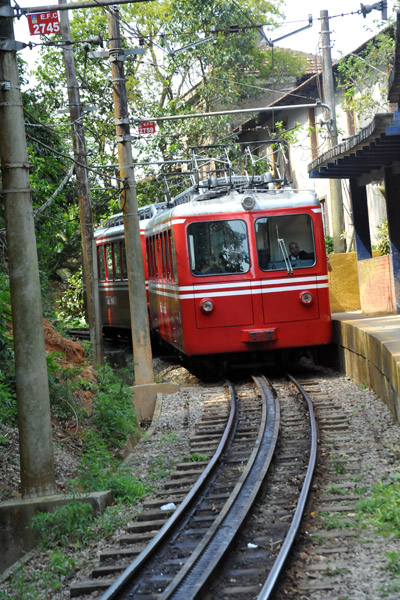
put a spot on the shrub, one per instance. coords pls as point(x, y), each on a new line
point(113, 411)
point(97, 471)
point(329, 244)
point(63, 384)
point(8, 405)
point(71, 311)
point(68, 524)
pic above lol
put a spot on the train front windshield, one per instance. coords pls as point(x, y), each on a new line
point(285, 242)
point(218, 247)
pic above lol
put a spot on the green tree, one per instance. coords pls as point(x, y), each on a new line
point(221, 72)
point(364, 76)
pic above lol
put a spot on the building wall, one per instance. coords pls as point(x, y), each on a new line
point(376, 209)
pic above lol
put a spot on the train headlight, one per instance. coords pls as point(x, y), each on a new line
point(206, 306)
point(248, 202)
point(306, 298)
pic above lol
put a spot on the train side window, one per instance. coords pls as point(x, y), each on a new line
point(163, 256)
point(218, 247)
point(152, 257)
point(170, 255)
point(285, 239)
point(157, 254)
point(167, 256)
point(148, 258)
point(101, 263)
point(124, 265)
point(109, 262)
point(117, 260)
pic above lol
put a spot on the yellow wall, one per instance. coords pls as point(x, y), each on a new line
point(343, 283)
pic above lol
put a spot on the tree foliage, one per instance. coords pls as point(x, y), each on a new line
point(364, 76)
point(219, 73)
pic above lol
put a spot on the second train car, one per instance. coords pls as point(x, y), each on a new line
point(233, 265)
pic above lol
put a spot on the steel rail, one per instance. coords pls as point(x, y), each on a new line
point(270, 582)
point(196, 572)
point(120, 584)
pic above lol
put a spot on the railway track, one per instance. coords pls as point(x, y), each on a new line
point(233, 517)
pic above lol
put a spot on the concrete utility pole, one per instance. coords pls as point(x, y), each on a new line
point(34, 423)
point(329, 98)
point(85, 208)
point(137, 289)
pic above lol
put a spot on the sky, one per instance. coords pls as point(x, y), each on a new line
point(347, 32)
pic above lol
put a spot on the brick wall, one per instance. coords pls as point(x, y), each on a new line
point(376, 285)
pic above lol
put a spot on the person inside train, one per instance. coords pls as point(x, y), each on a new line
point(215, 265)
point(296, 254)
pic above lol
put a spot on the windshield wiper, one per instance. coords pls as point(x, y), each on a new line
point(285, 254)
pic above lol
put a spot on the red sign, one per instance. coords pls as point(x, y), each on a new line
point(44, 23)
point(147, 127)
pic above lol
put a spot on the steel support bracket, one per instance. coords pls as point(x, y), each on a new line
point(99, 54)
point(12, 46)
point(122, 121)
point(125, 138)
point(6, 11)
point(5, 86)
point(126, 54)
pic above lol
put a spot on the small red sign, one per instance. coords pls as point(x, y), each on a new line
point(147, 127)
point(44, 23)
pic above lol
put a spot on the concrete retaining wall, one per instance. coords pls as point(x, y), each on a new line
point(369, 353)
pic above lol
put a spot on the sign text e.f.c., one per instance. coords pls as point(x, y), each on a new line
point(44, 23)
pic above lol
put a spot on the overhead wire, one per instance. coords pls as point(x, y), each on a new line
point(128, 28)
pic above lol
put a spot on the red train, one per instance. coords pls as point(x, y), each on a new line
point(232, 265)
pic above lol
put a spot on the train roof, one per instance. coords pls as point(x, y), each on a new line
point(235, 199)
point(216, 196)
point(115, 223)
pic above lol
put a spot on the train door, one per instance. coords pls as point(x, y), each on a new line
point(286, 255)
point(219, 259)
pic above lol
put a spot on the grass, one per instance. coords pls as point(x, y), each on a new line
point(381, 508)
point(336, 521)
point(160, 468)
point(394, 562)
point(27, 584)
point(197, 457)
point(334, 489)
point(339, 464)
point(170, 438)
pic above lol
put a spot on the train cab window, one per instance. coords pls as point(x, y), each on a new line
point(117, 260)
point(101, 263)
point(285, 242)
point(109, 262)
point(218, 247)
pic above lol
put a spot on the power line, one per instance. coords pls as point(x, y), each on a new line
point(71, 6)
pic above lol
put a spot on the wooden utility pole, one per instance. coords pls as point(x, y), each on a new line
point(34, 421)
point(85, 208)
point(137, 289)
point(335, 185)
